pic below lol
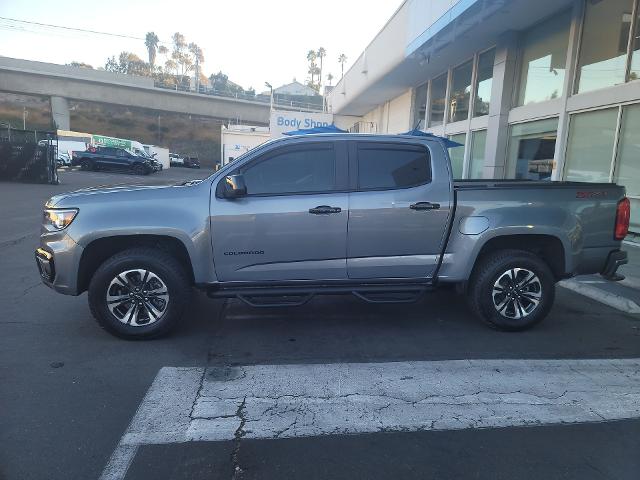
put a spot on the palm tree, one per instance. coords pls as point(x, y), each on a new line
point(321, 54)
point(329, 78)
point(312, 56)
point(341, 60)
point(151, 41)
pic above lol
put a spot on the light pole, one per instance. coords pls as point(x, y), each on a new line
point(270, 87)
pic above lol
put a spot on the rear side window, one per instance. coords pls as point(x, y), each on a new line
point(296, 169)
point(383, 166)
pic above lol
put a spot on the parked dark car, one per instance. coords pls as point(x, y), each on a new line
point(191, 162)
point(111, 158)
point(178, 160)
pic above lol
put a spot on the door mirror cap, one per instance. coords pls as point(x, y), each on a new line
point(234, 186)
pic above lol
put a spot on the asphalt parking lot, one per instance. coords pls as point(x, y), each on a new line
point(79, 403)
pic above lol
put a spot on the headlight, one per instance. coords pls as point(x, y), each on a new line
point(58, 219)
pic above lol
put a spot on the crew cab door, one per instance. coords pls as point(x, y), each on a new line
point(292, 222)
point(399, 209)
point(107, 158)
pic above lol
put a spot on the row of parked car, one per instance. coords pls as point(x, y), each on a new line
point(113, 158)
point(188, 161)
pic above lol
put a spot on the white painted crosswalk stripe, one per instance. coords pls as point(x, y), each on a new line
point(278, 401)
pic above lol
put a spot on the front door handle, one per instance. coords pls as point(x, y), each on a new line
point(425, 206)
point(324, 210)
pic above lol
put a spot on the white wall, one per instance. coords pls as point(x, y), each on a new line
point(393, 116)
point(235, 143)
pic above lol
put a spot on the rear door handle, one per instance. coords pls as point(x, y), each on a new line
point(425, 206)
point(324, 210)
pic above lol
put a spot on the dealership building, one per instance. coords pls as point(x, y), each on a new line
point(543, 90)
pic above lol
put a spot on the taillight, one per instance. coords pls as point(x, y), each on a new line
point(623, 214)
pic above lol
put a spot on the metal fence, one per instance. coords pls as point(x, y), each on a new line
point(28, 156)
point(205, 90)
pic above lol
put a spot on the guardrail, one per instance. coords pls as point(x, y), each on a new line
point(204, 90)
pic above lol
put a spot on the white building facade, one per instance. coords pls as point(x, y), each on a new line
point(543, 90)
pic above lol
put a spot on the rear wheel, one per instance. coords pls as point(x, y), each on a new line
point(511, 290)
point(86, 165)
point(139, 293)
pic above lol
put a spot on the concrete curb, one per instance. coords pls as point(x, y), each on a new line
point(612, 300)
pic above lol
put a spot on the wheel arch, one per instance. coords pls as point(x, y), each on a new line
point(549, 247)
point(100, 249)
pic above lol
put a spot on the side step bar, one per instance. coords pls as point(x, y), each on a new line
point(290, 296)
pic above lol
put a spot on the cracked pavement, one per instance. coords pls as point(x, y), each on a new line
point(289, 401)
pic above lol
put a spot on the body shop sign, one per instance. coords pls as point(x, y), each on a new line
point(282, 122)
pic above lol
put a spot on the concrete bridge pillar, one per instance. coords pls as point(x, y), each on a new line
point(60, 113)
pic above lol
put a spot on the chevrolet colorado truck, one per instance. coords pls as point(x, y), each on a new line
point(376, 216)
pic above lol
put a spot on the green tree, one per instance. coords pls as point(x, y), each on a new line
point(180, 56)
point(197, 58)
point(321, 53)
point(342, 59)
point(80, 65)
point(151, 41)
point(329, 78)
point(129, 64)
point(311, 57)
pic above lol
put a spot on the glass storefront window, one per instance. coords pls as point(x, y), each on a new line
point(460, 92)
point(544, 57)
point(420, 107)
point(634, 69)
point(484, 82)
point(531, 150)
point(476, 161)
point(590, 145)
point(628, 160)
point(438, 94)
point(603, 50)
point(457, 155)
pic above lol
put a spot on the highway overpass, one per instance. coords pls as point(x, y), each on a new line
point(63, 83)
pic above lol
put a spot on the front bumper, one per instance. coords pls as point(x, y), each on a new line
point(615, 260)
point(58, 261)
point(46, 267)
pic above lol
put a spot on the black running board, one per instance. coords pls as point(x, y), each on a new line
point(290, 296)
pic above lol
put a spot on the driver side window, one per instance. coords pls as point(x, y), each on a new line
point(297, 169)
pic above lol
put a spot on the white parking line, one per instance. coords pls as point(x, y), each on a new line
point(611, 299)
point(278, 401)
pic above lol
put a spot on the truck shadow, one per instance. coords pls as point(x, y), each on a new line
point(439, 327)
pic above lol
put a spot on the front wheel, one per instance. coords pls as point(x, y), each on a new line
point(511, 290)
point(139, 293)
point(139, 169)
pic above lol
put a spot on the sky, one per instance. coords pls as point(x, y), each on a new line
point(252, 41)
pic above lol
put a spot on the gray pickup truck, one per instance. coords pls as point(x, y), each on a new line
point(376, 216)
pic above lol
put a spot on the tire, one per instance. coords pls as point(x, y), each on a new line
point(491, 285)
point(138, 169)
point(86, 165)
point(120, 275)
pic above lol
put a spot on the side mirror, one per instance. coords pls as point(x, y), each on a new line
point(234, 186)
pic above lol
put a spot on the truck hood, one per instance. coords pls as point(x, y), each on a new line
point(90, 194)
